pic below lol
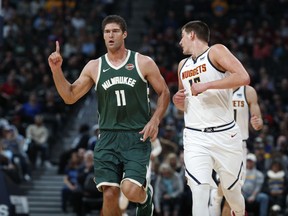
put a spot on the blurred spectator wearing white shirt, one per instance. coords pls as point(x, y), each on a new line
point(38, 135)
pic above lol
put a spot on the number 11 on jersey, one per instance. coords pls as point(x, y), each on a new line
point(121, 99)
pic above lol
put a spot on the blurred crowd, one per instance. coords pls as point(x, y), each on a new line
point(31, 111)
point(255, 31)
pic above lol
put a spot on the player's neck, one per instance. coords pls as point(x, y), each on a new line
point(117, 57)
point(200, 49)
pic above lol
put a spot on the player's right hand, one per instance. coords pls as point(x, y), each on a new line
point(179, 99)
point(55, 59)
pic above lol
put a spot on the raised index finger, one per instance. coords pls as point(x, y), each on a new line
point(57, 47)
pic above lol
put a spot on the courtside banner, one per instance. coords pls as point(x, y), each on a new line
point(13, 201)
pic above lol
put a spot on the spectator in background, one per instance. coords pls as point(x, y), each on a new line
point(263, 159)
point(219, 7)
point(8, 63)
point(169, 141)
point(93, 139)
point(282, 149)
point(78, 21)
point(13, 142)
point(168, 190)
point(8, 167)
point(31, 108)
point(172, 160)
point(38, 135)
point(85, 171)
point(275, 185)
point(253, 185)
point(53, 111)
point(6, 163)
point(70, 180)
point(80, 141)
point(8, 90)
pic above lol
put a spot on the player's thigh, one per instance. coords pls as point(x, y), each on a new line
point(108, 166)
point(197, 157)
point(136, 158)
point(228, 156)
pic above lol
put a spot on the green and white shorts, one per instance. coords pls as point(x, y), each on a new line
point(121, 155)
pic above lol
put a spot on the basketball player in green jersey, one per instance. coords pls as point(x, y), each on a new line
point(122, 79)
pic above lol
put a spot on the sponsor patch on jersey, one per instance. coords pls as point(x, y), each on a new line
point(129, 66)
point(202, 58)
point(239, 94)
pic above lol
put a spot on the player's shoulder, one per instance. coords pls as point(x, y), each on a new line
point(182, 62)
point(93, 63)
point(218, 48)
point(250, 89)
point(145, 61)
point(250, 93)
point(217, 53)
point(91, 67)
point(144, 58)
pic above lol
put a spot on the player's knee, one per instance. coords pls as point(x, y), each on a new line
point(226, 211)
point(131, 190)
point(235, 198)
point(201, 192)
point(111, 194)
point(200, 195)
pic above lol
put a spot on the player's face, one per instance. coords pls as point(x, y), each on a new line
point(113, 36)
point(184, 42)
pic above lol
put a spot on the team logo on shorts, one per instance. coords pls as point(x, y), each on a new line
point(129, 66)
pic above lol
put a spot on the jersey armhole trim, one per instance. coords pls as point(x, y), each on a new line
point(99, 73)
point(138, 69)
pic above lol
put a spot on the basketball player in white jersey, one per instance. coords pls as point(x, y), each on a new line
point(246, 107)
point(211, 138)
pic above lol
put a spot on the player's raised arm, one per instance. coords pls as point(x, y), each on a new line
point(70, 93)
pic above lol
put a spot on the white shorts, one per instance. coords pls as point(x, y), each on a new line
point(221, 151)
point(245, 151)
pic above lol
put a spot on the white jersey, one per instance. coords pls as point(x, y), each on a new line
point(212, 107)
point(241, 111)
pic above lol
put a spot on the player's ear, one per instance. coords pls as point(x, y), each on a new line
point(125, 34)
point(192, 34)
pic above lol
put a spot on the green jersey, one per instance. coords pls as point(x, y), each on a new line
point(122, 93)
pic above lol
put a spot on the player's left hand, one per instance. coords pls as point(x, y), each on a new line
point(256, 122)
point(197, 88)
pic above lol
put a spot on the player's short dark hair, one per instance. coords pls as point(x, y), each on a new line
point(114, 19)
point(200, 28)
